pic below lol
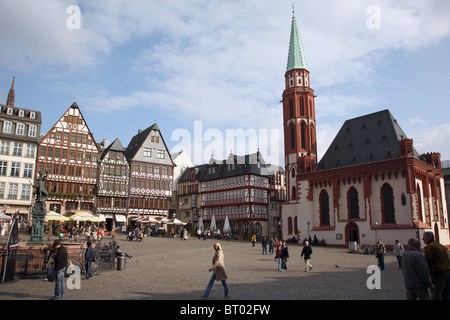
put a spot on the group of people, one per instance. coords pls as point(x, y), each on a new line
point(210, 234)
point(426, 275)
point(281, 251)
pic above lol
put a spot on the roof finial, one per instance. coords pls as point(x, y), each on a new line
point(74, 99)
point(293, 8)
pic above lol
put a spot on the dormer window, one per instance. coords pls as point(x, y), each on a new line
point(9, 111)
point(33, 115)
point(21, 113)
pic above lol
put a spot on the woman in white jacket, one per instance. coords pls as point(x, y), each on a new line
point(219, 272)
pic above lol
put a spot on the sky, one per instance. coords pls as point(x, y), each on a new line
point(211, 73)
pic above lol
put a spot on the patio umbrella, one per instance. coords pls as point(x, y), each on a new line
point(82, 216)
point(176, 222)
point(200, 223)
point(148, 220)
point(213, 223)
point(5, 217)
point(226, 226)
point(55, 216)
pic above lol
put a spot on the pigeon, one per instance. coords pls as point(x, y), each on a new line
point(336, 266)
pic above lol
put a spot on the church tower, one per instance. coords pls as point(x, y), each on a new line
point(11, 95)
point(299, 120)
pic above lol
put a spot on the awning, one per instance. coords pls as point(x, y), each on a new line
point(120, 218)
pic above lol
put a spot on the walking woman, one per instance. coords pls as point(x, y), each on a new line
point(219, 272)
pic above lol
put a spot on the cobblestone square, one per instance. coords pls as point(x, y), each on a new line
point(175, 269)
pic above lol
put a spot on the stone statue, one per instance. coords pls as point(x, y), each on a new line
point(38, 212)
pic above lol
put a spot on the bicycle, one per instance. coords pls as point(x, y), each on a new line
point(82, 266)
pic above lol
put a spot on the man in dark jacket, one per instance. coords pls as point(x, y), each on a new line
point(416, 273)
point(306, 252)
point(60, 269)
point(89, 258)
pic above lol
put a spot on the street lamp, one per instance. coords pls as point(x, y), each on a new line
point(308, 223)
point(376, 232)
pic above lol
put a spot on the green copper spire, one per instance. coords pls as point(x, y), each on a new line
point(296, 59)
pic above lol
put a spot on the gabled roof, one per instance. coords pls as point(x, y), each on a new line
point(370, 138)
point(296, 58)
point(138, 140)
point(115, 146)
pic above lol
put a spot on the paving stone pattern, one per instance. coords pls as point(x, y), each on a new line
point(175, 269)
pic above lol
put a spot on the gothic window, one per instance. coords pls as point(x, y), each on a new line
point(387, 198)
point(419, 201)
point(294, 193)
point(293, 173)
point(289, 225)
point(295, 225)
point(302, 108)
point(292, 138)
point(352, 198)
point(324, 208)
point(303, 134)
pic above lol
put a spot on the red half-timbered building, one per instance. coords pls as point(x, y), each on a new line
point(68, 155)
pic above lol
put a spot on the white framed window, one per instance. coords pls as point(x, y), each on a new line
point(7, 127)
point(160, 154)
point(2, 190)
point(10, 111)
point(3, 168)
point(4, 147)
point(17, 149)
point(147, 152)
point(13, 189)
point(32, 131)
point(33, 115)
point(20, 129)
point(27, 170)
point(15, 169)
point(21, 113)
point(30, 151)
point(26, 192)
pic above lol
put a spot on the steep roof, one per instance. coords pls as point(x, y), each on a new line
point(296, 58)
point(115, 146)
point(370, 138)
point(137, 141)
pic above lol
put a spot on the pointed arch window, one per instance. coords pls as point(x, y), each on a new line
point(292, 138)
point(324, 208)
point(353, 205)
point(289, 225)
point(294, 193)
point(303, 134)
point(419, 201)
point(387, 203)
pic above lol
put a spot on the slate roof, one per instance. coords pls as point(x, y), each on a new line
point(249, 164)
point(137, 141)
point(114, 146)
point(366, 139)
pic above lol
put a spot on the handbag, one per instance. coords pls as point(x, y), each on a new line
point(52, 276)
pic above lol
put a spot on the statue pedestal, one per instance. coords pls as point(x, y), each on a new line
point(37, 225)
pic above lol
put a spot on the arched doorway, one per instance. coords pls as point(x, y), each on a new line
point(351, 232)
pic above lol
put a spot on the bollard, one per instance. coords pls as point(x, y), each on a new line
point(120, 263)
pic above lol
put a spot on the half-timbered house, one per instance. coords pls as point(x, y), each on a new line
point(68, 155)
point(151, 174)
point(113, 185)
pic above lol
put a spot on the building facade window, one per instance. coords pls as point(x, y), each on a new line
point(387, 202)
point(324, 208)
point(353, 205)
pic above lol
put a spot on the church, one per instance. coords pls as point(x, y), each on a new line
point(371, 182)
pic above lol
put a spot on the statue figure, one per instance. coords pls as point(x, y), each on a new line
point(39, 211)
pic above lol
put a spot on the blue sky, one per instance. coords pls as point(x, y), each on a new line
point(205, 69)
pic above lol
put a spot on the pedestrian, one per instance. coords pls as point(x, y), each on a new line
point(50, 259)
point(218, 272)
point(398, 251)
point(60, 269)
point(119, 253)
point(277, 256)
point(416, 273)
point(253, 240)
point(271, 245)
point(199, 233)
point(89, 258)
point(439, 265)
point(284, 257)
point(185, 234)
point(264, 245)
point(306, 254)
point(380, 250)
